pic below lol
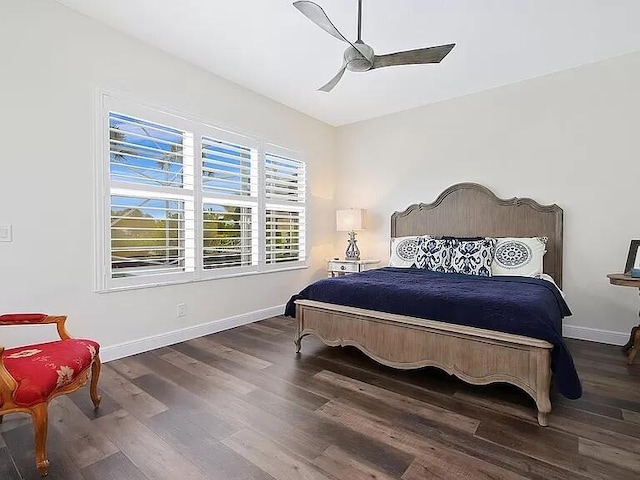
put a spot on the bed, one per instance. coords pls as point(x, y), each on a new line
point(475, 355)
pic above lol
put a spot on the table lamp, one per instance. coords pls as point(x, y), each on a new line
point(350, 220)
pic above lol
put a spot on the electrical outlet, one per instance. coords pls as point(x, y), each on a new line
point(5, 233)
point(181, 310)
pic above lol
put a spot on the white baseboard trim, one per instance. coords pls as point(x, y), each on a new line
point(120, 350)
point(595, 335)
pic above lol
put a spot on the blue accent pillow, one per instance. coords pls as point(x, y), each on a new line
point(472, 257)
point(433, 254)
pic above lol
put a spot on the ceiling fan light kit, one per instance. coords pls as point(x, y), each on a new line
point(360, 57)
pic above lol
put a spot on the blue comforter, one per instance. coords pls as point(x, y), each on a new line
point(518, 305)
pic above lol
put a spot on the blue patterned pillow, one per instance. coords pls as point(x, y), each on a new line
point(472, 257)
point(433, 254)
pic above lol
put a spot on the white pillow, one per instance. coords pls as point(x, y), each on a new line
point(404, 250)
point(521, 257)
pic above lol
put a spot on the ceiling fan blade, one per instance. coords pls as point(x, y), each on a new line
point(316, 14)
point(334, 81)
point(413, 57)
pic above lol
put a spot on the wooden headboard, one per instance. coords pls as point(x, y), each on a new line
point(469, 210)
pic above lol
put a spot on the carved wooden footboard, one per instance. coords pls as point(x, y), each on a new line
point(474, 355)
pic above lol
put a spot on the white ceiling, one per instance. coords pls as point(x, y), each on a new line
point(269, 47)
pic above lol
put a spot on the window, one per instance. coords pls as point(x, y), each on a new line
point(285, 196)
point(185, 201)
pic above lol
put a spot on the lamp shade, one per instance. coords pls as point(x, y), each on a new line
point(349, 220)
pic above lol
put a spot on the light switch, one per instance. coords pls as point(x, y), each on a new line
point(5, 233)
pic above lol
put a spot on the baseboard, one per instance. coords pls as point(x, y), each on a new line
point(595, 335)
point(114, 352)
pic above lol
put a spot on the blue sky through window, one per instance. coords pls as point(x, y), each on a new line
point(145, 153)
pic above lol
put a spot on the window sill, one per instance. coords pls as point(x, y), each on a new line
point(207, 279)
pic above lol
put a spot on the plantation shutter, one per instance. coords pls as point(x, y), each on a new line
point(151, 180)
point(285, 189)
point(230, 205)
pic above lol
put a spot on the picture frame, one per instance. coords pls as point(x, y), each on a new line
point(633, 259)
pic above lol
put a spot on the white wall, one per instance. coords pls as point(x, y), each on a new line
point(52, 60)
point(571, 138)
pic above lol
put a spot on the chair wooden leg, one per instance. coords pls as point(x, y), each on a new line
point(95, 375)
point(40, 424)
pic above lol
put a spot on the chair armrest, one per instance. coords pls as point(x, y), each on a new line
point(22, 318)
point(36, 319)
point(7, 382)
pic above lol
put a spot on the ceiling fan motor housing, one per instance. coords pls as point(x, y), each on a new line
point(359, 59)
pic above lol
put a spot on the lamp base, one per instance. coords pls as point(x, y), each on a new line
point(352, 253)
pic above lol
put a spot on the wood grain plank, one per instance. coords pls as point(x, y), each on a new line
point(84, 444)
point(342, 465)
point(137, 442)
point(611, 424)
point(115, 467)
point(610, 400)
point(201, 448)
point(430, 412)
point(587, 406)
point(610, 454)
point(127, 395)
point(210, 345)
point(447, 468)
point(238, 411)
point(210, 374)
point(548, 445)
point(498, 404)
point(428, 450)
point(596, 433)
point(273, 458)
point(188, 406)
point(390, 460)
point(260, 379)
point(281, 322)
point(256, 347)
point(260, 327)
point(629, 416)
point(8, 470)
point(14, 420)
point(130, 367)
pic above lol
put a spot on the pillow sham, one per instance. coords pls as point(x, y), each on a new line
point(433, 254)
point(472, 257)
point(403, 251)
point(523, 257)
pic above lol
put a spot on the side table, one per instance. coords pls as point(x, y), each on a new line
point(633, 345)
point(337, 267)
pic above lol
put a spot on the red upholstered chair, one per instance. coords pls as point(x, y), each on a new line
point(31, 376)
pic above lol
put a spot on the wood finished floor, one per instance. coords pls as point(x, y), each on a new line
point(240, 405)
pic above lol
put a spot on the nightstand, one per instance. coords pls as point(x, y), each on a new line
point(335, 268)
point(633, 345)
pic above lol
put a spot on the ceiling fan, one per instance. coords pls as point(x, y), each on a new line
point(359, 56)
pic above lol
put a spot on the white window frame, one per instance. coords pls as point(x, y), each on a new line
point(124, 104)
